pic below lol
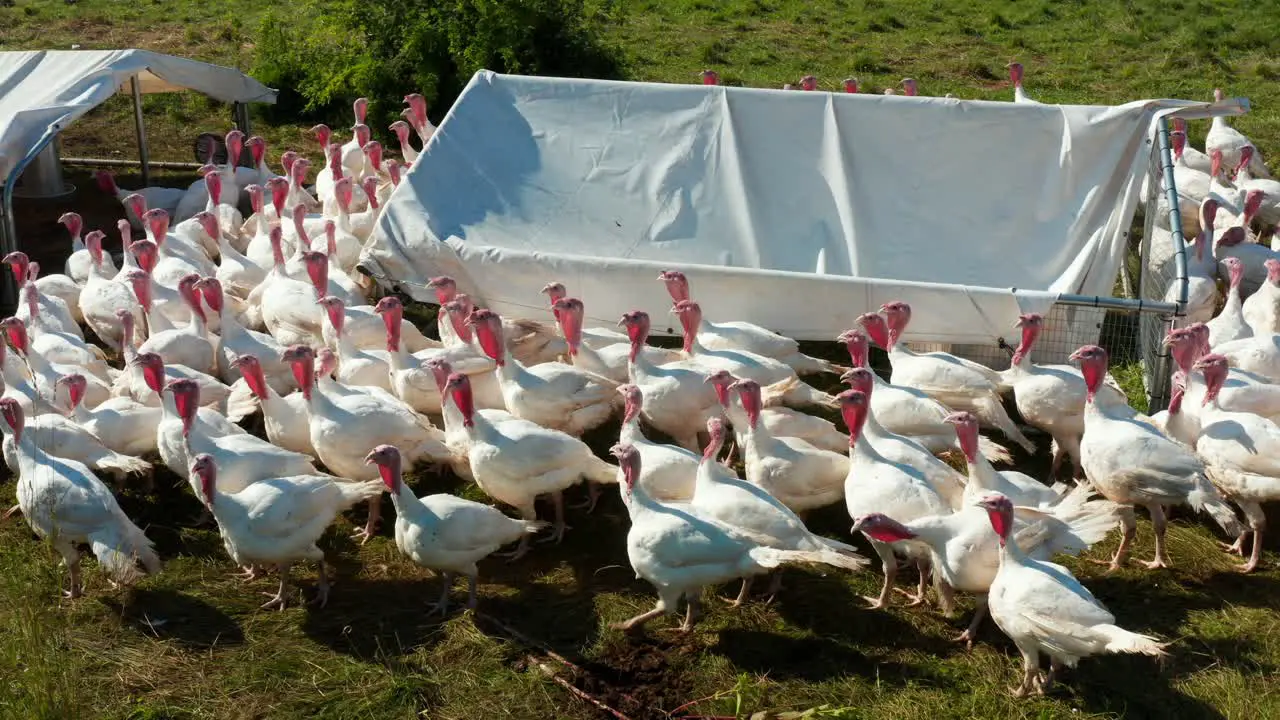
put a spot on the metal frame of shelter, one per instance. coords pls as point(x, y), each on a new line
point(8, 227)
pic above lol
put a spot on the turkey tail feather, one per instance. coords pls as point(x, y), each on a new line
point(1205, 498)
point(353, 493)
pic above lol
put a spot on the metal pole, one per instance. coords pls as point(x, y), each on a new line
point(141, 129)
point(112, 162)
point(1111, 303)
point(1175, 218)
point(241, 112)
point(9, 229)
point(1160, 377)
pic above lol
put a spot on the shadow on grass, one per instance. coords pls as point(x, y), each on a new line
point(1106, 684)
point(375, 619)
point(175, 616)
point(812, 659)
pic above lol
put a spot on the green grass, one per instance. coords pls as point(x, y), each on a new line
point(190, 642)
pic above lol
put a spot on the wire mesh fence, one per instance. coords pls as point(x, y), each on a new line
point(1132, 335)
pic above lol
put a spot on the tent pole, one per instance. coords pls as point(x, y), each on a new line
point(140, 128)
point(9, 228)
point(241, 113)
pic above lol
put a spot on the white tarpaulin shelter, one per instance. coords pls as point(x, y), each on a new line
point(41, 88)
point(794, 210)
point(44, 91)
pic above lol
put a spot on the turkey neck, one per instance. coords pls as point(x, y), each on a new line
point(862, 448)
point(594, 362)
point(630, 431)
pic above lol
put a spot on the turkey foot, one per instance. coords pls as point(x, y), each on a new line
point(559, 528)
point(593, 497)
point(915, 599)
point(1128, 529)
point(971, 633)
point(12, 511)
point(521, 550)
point(77, 588)
point(278, 601)
point(1237, 547)
point(322, 588)
point(919, 596)
point(1047, 682)
point(1158, 524)
point(774, 586)
point(371, 525)
point(248, 573)
point(1255, 555)
point(690, 614)
point(638, 620)
point(742, 594)
point(442, 605)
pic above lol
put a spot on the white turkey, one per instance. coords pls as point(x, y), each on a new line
point(516, 461)
point(680, 551)
point(955, 382)
point(1262, 309)
point(1042, 607)
point(278, 520)
point(66, 504)
point(1244, 451)
point(445, 533)
point(719, 493)
point(1230, 141)
point(1132, 463)
point(745, 336)
point(877, 485)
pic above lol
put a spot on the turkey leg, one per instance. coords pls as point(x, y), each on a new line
point(593, 497)
point(775, 585)
point(641, 619)
point(1030, 673)
point(73, 570)
point(370, 525)
point(442, 605)
point(979, 614)
point(1158, 524)
point(742, 594)
point(922, 566)
point(471, 592)
point(1238, 546)
point(529, 513)
point(1257, 523)
point(559, 528)
point(1128, 528)
point(278, 600)
point(322, 587)
point(890, 567)
point(691, 611)
point(1049, 677)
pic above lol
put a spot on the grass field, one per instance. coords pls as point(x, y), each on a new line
point(191, 643)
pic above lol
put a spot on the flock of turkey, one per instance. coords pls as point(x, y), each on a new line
point(216, 316)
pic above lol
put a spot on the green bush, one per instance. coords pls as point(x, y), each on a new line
point(383, 50)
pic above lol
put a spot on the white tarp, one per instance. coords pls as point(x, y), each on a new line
point(43, 87)
point(782, 207)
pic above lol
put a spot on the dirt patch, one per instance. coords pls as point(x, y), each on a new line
point(644, 678)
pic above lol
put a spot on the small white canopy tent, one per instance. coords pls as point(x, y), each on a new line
point(44, 91)
point(794, 210)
